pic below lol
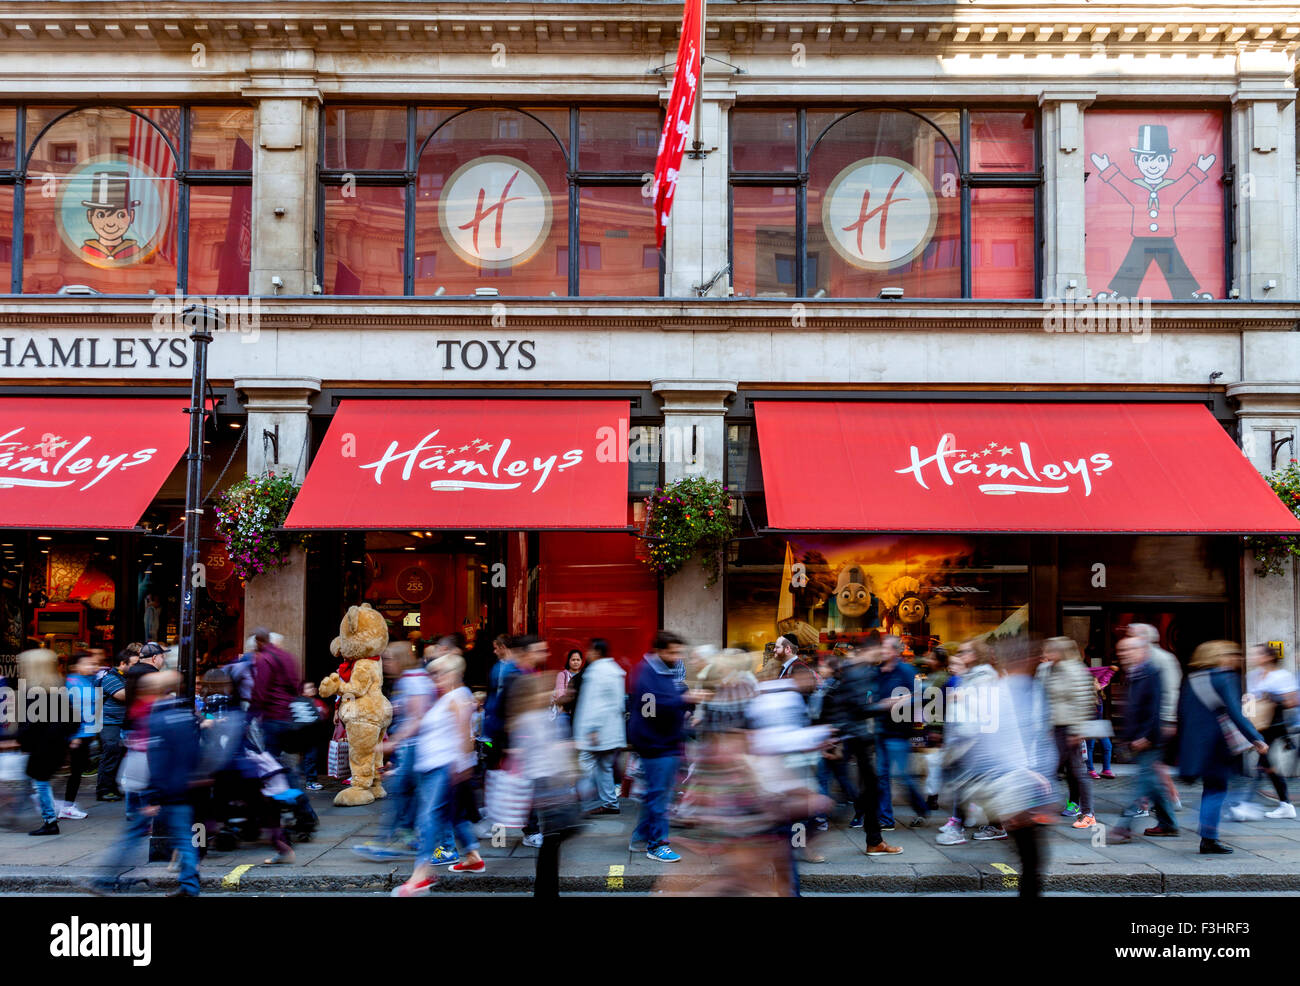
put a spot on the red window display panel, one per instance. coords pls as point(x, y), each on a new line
point(1002, 142)
point(1139, 468)
point(884, 209)
point(592, 585)
point(365, 235)
point(1002, 246)
point(764, 243)
point(1153, 203)
point(85, 463)
point(467, 464)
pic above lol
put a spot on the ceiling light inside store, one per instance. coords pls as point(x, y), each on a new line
point(44, 537)
point(101, 537)
point(409, 547)
point(235, 424)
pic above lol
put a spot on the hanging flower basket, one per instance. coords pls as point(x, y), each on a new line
point(1272, 550)
point(684, 519)
point(247, 517)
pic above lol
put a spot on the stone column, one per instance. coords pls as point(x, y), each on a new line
point(696, 242)
point(1263, 126)
point(1269, 413)
point(278, 440)
point(694, 444)
point(284, 170)
point(1065, 272)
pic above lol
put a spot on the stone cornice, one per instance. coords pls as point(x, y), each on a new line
point(702, 315)
point(988, 26)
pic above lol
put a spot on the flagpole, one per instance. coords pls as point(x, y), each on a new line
point(699, 94)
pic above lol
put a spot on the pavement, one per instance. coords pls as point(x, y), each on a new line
point(1267, 859)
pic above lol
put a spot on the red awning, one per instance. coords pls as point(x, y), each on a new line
point(92, 463)
point(1139, 468)
point(469, 464)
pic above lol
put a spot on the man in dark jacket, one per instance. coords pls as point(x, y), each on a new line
point(656, 730)
point(895, 732)
point(113, 682)
point(276, 683)
point(849, 706)
point(1143, 735)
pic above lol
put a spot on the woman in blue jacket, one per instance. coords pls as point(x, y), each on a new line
point(1210, 690)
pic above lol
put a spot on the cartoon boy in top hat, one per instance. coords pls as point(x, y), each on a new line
point(1153, 198)
point(110, 211)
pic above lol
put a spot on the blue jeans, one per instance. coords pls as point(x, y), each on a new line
point(597, 784)
point(45, 795)
point(1150, 787)
point(1214, 791)
point(660, 777)
point(436, 816)
point(1105, 752)
point(176, 821)
point(838, 769)
point(891, 757)
point(402, 788)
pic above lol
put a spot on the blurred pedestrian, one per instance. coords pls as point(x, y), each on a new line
point(276, 682)
point(88, 712)
point(111, 749)
point(1215, 732)
point(45, 738)
point(1171, 680)
point(1271, 702)
point(1143, 735)
point(600, 728)
point(657, 732)
point(1070, 692)
point(894, 734)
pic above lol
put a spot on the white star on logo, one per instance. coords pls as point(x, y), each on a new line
point(484, 447)
point(1004, 450)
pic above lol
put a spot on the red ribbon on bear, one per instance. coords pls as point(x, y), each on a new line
point(345, 669)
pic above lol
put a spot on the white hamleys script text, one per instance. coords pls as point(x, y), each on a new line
point(1051, 477)
point(496, 474)
point(57, 456)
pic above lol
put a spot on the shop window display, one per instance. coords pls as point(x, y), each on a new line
point(106, 201)
point(930, 590)
point(533, 201)
point(1154, 204)
point(884, 197)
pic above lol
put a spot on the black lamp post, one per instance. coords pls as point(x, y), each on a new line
point(202, 321)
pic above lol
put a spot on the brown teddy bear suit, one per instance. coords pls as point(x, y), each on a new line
point(363, 710)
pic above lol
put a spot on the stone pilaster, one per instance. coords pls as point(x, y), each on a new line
point(1064, 163)
point(284, 167)
point(1263, 114)
point(279, 439)
point(694, 444)
point(1269, 413)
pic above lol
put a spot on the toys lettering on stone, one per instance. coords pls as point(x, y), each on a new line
point(363, 709)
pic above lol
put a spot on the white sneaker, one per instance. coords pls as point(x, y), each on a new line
point(951, 835)
point(71, 811)
point(533, 841)
point(1247, 812)
point(1283, 810)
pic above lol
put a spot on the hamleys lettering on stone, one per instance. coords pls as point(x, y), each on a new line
point(55, 462)
point(476, 464)
point(1017, 468)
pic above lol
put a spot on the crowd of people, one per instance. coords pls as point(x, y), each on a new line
point(728, 753)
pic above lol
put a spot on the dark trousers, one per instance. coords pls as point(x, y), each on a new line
point(78, 759)
point(111, 751)
point(546, 879)
point(1161, 251)
point(1029, 844)
point(868, 803)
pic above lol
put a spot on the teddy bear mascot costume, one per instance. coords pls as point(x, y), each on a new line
point(363, 710)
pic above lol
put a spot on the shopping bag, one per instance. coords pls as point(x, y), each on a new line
point(507, 798)
point(338, 767)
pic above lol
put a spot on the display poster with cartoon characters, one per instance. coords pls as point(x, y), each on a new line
point(930, 590)
point(1153, 204)
point(100, 205)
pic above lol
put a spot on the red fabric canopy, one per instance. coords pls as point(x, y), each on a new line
point(1150, 468)
point(92, 463)
point(469, 464)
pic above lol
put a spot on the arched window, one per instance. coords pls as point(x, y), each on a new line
point(521, 202)
point(103, 201)
point(844, 204)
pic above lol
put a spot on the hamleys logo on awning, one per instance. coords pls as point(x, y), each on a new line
point(477, 464)
point(56, 462)
point(1015, 466)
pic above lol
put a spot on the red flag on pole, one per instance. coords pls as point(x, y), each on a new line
point(677, 123)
